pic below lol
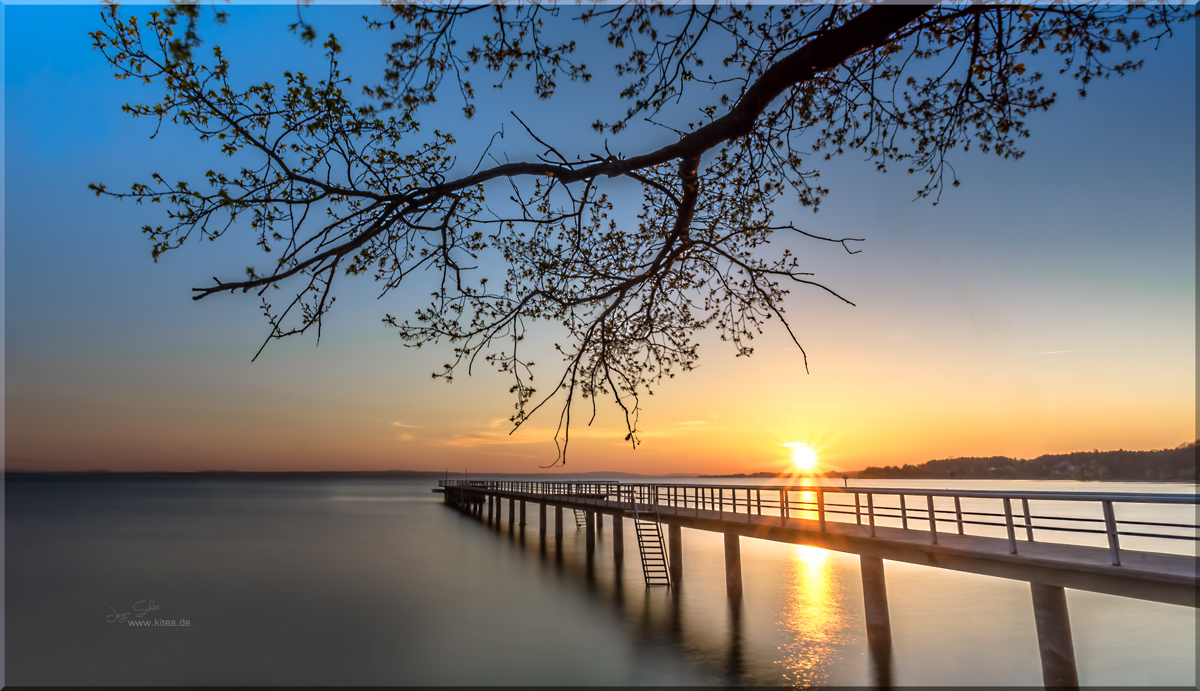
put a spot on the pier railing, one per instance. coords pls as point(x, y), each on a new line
point(962, 512)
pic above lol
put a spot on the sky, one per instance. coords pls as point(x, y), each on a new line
point(1045, 306)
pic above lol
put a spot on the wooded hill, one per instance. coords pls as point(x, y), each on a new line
point(1177, 464)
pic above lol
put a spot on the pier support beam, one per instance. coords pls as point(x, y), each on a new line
point(1054, 636)
point(675, 552)
point(558, 530)
point(618, 539)
point(522, 514)
point(599, 523)
point(879, 623)
point(733, 566)
point(489, 517)
point(589, 529)
point(542, 521)
point(512, 510)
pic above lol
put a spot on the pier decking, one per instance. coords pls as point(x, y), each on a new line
point(937, 528)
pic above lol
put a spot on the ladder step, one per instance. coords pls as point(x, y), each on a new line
point(655, 568)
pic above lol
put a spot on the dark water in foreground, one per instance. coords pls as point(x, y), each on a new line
point(364, 582)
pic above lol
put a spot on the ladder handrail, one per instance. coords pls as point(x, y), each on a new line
point(647, 572)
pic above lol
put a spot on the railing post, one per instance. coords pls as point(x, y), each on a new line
point(958, 515)
point(871, 512)
point(758, 498)
point(857, 510)
point(783, 506)
point(1028, 520)
point(821, 508)
point(1008, 522)
point(932, 520)
point(903, 514)
point(1110, 527)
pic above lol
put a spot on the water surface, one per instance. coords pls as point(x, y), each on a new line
point(369, 581)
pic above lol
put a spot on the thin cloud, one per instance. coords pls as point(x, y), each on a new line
point(496, 433)
point(527, 435)
point(401, 424)
point(1055, 352)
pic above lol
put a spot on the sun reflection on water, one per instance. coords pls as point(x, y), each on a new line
point(814, 618)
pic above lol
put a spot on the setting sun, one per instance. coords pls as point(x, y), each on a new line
point(803, 456)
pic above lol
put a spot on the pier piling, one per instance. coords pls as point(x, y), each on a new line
point(675, 552)
point(542, 521)
point(1054, 636)
point(879, 623)
point(618, 539)
point(558, 528)
point(733, 567)
point(589, 529)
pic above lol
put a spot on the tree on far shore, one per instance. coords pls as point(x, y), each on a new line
point(1177, 464)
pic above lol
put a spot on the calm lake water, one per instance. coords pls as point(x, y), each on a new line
point(376, 582)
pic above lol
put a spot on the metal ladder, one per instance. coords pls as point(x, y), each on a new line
point(580, 519)
point(650, 543)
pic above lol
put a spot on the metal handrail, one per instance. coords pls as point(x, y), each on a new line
point(1137, 497)
point(780, 500)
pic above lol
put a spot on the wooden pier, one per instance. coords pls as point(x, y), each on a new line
point(935, 529)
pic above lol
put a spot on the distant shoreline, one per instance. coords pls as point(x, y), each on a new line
point(1162, 465)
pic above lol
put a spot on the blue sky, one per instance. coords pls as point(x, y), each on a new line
point(1046, 305)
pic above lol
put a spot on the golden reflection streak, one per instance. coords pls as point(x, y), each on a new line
point(814, 618)
point(807, 499)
